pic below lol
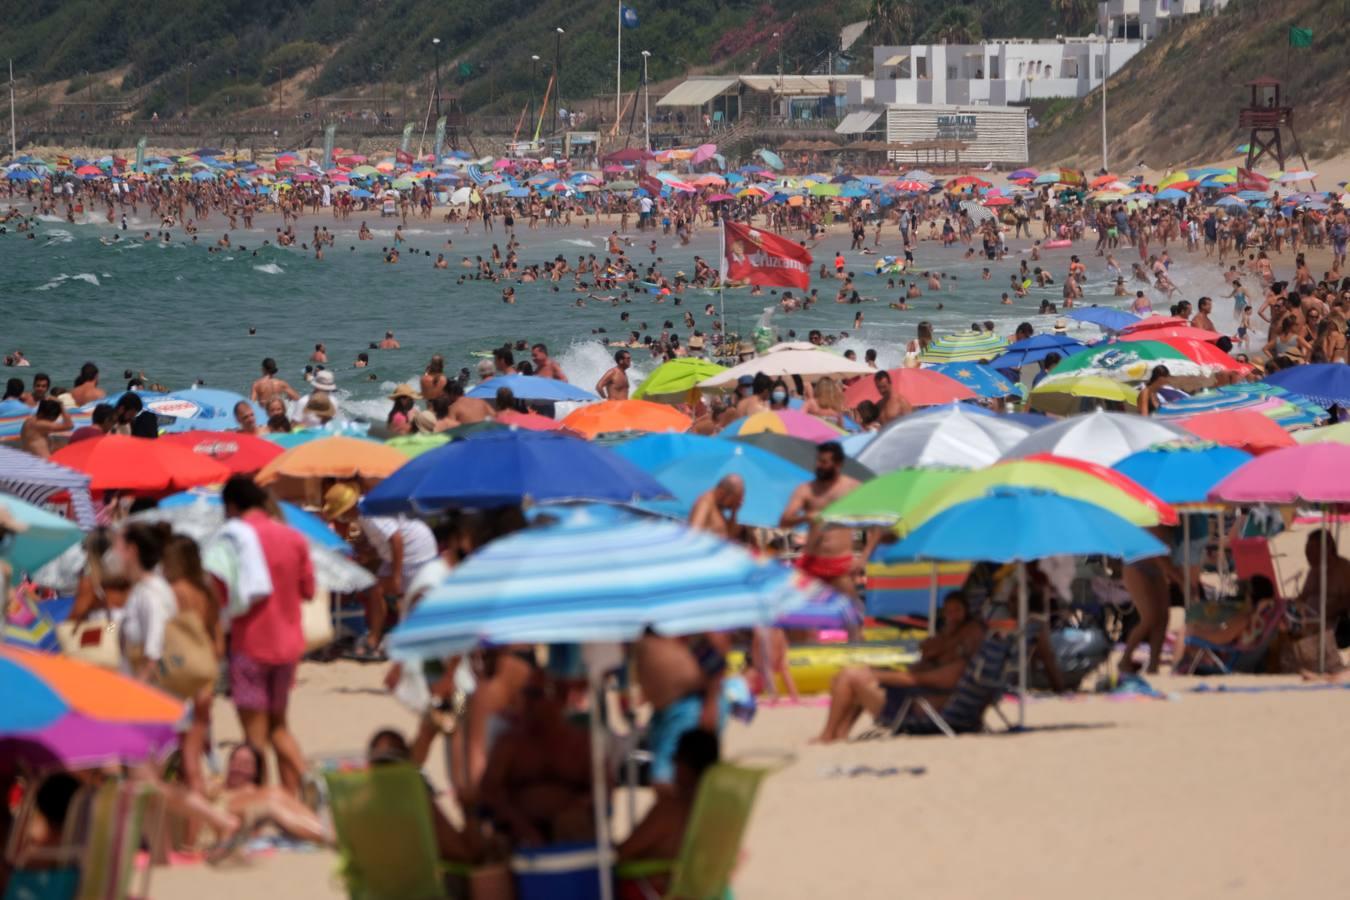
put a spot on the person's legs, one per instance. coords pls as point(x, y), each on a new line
point(290, 761)
point(274, 805)
point(853, 690)
point(1158, 627)
point(193, 747)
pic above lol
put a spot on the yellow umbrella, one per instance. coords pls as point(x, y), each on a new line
point(1172, 178)
point(1331, 434)
point(1068, 395)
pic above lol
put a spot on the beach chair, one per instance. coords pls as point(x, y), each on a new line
point(385, 835)
point(1244, 655)
point(982, 685)
point(712, 838)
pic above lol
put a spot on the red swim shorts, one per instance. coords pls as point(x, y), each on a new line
point(826, 567)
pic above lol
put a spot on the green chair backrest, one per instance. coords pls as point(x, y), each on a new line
point(712, 839)
point(116, 814)
point(385, 835)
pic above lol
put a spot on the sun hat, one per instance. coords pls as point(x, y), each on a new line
point(1061, 326)
point(404, 390)
point(339, 500)
point(321, 405)
point(324, 381)
point(696, 342)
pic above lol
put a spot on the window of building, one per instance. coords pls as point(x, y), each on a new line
point(902, 70)
point(1021, 68)
point(1070, 68)
point(1100, 65)
point(921, 66)
point(951, 73)
point(993, 67)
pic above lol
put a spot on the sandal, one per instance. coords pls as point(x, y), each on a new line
point(365, 651)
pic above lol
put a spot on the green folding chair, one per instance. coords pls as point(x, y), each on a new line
point(712, 840)
point(385, 835)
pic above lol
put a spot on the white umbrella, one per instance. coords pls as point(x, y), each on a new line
point(948, 436)
point(461, 196)
point(791, 359)
point(1101, 437)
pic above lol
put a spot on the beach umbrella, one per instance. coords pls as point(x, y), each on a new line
point(1182, 473)
point(1170, 194)
point(798, 358)
point(625, 415)
point(769, 481)
point(1070, 395)
point(921, 387)
point(969, 346)
point(888, 498)
point(334, 456)
point(1101, 437)
point(36, 480)
point(1169, 333)
point(530, 421)
point(802, 453)
point(1103, 317)
point(414, 445)
point(1244, 429)
point(784, 421)
point(60, 713)
point(44, 536)
point(288, 439)
point(910, 186)
point(139, 465)
point(1326, 383)
point(1034, 349)
point(503, 468)
point(1289, 409)
point(672, 381)
point(980, 378)
point(240, 453)
point(1330, 434)
point(953, 436)
point(621, 184)
point(1134, 362)
point(530, 387)
point(598, 576)
point(196, 407)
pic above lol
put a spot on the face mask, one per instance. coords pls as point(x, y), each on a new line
point(779, 396)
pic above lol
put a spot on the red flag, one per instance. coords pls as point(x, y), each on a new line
point(753, 256)
point(403, 157)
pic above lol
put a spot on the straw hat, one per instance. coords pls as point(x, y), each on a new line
point(321, 405)
point(404, 390)
point(339, 500)
point(696, 342)
point(9, 523)
point(1061, 326)
point(324, 381)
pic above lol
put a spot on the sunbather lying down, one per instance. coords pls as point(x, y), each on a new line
point(942, 660)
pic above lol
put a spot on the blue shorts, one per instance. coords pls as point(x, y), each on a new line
point(666, 728)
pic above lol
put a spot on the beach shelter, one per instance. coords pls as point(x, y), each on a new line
point(921, 387)
point(1103, 317)
point(983, 379)
point(1325, 383)
point(785, 421)
point(1182, 474)
point(240, 453)
point(1240, 428)
point(968, 346)
point(769, 482)
point(803, 453)
point(1134, 362)
point(949, 437)
point(1101, 437)
point(334, 456)
point(1079, 393)
point(1021, 525)
point(672, 381)
point(1034, 349)
point(531, 387)
point(41, 481)
point(505, 468)
point(609, 416)
point(40, 536)
point(142, 466)
point(782, 360)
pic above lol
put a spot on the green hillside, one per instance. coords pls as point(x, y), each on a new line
point(1177, 101)
point(235, 48)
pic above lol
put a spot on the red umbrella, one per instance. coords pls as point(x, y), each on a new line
point(1206, 354)
point(530, 421)
point(139, 465)
point(1169, 332)
point(1241, 428)
point(921, 387)
point(1154, 322)
point(240, 453)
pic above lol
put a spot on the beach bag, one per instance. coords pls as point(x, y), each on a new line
point(188, 662)
point(92, 641)
point(316, 620)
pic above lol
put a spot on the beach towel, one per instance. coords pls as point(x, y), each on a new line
point(235, 556)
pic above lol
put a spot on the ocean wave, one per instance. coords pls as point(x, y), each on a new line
point(580, 242)
point(270, 269)
point(57, 281)
point(89, 277)
point(58, 236)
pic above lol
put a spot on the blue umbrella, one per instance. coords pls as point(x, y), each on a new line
point(503, 468)
point(1182, 473)
point(981, 379)
point(1034, 349)
point(591, 578)
point(769, 481)
point(650, 452)
point(530, 387)
point(198, 403)
point(1018, 525)
point(291, 439)
point(1324, 383)
point(1170, 194)
point(1105, 317)
point(307, 523)
point(46, 537)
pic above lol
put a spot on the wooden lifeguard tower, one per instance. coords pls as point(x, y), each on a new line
point(1266, 118)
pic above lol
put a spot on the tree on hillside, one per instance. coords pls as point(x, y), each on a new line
point(891, 22)
point(1074, 15)
point(957, 25)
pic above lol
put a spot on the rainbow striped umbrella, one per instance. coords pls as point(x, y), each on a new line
point(968, 346)
point(791, 422)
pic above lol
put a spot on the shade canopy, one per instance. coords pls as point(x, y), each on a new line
point(1101, 437)
point(1308, 473)
point(1182, 473)
point(336, 456)
point(530, 387)
point(45, 536)
point(139, 465)
point(953, 436)
point(625, 415)
point(790, 359)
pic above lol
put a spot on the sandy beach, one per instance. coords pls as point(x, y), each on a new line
point(1106, 797)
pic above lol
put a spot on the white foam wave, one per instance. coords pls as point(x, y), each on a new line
point(59, 236)
point(580, 242)
point(55, 282)
point(270, 269)
point(585, 362)
point(88, 277)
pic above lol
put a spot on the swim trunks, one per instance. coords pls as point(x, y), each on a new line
point(826, 567)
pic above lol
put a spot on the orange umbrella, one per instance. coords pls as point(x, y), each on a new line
point(334, 457)
point(140, 465)
point(1241, 428)
point(921, 387)
point(625, 415)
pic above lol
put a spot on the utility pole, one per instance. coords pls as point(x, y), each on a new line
point(1106, 76)
point(534, 83)
point(436, 42)
point(13, 141)
point(187, 92)
point(646, 103)
point(557, 76)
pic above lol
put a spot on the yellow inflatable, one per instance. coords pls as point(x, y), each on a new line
point(813, 666)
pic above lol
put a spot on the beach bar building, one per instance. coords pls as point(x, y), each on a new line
point(730, 98)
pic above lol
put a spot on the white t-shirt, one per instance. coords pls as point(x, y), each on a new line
point(149, 607)
point(419, 544)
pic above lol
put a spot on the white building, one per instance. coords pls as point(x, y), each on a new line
point(994, 73)
point(1145, 19)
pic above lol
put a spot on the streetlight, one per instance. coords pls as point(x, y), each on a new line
point(187, 106)
point(436, 42)
point(646, 104)
point(534, 76)
point(557, 77)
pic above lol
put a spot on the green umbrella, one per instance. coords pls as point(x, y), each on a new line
point(621, 185)
point(969, 346)
point(44, 537)
point(1131, 361)
point(672, 381)
point(889, 498)
point(823, 190)
point(416, 444)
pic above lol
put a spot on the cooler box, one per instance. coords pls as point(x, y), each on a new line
point(557, 872)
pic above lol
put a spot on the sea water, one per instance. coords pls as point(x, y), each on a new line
point(181, 314)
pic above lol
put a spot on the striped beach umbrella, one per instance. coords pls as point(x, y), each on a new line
point(599, 576)
point(968, 346)
point(38, 480)
point(1290, 410)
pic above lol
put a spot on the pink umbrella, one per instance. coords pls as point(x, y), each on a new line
point(1308, 473)
point(718, 198)
point(791, 422)
point(704, 153)
point(615, 170)
point(503, 164)
point(531, 421)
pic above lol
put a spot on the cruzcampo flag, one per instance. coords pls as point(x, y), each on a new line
point(1300, 37)
point(329, 136)
point(140, 154)
point(440, 139)
point(629, 17)
point(407, 137)
point(755, 256)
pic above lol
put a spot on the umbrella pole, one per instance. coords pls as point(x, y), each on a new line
point(1021, 645)
point(932, 600)
point(1223, 560)
point(1186, 560)
point(1322, 601)
point(598, 782)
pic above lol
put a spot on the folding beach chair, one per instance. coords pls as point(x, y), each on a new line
point(712, 838)
point(1244, 655)
point(982, 685)
point(385, 835)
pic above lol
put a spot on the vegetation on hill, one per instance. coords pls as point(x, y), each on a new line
point(224, 51)
point(1177, 102)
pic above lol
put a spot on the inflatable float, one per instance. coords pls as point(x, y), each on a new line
point(1057, 244)
point(813, 666)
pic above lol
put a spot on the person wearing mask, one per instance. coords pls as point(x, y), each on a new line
point(778, 395)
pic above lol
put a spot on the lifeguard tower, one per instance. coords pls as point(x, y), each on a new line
point(1266, 118)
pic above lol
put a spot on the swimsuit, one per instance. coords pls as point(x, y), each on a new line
point(826, 567)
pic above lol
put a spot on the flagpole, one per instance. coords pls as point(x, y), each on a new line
point(722, 281)
point(618, 68)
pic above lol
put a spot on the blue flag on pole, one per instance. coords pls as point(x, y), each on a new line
point(629, 17)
